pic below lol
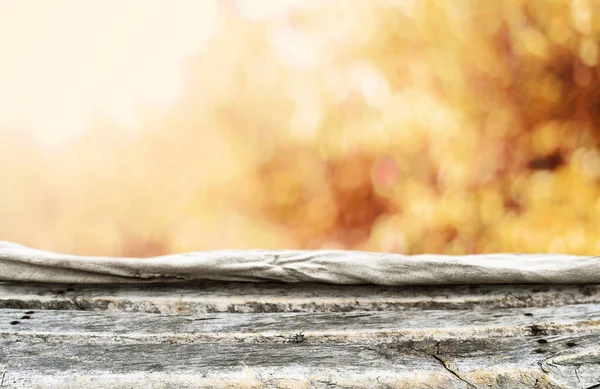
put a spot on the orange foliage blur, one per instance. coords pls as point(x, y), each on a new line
point(430, 126)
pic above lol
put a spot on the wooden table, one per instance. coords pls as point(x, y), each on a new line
point(246, 335)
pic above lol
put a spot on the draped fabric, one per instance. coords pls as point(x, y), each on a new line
point(23, 264)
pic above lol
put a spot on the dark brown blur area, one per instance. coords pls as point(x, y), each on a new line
point(427, 126)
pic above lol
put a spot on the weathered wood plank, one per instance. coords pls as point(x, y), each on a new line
point(297, 336)
point(567, 361)
point(549, 347)
point(127, 327)
point(245, 297)
point(224, 365)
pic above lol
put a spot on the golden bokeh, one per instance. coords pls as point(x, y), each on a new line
point(428, 126)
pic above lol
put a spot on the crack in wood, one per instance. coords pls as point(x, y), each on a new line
point(577, 373)
point(359, 315)
point(203, 318)
point(541, 366)
point(444, 363)
point(451, 371)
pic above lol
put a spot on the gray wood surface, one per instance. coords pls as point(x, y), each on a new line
point(247, 297)
point(246, 335)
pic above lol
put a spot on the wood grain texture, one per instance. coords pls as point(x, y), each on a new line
point(475, 364)
point(125, 327)
point(299, 336)
point(144, 350)
point(246, 297)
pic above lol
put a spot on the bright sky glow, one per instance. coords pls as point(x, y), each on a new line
point(64, 61)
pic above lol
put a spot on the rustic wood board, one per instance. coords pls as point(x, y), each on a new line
point(299, 336)
point(242, 297)
point(475, 364)
point(331, 327)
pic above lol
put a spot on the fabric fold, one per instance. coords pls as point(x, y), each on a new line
point(23, 264)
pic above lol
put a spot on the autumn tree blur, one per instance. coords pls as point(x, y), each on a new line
point(453, 127)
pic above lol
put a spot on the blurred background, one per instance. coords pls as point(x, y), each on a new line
point(142, 127)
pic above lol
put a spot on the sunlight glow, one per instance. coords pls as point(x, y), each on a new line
point(263, 9)
point(64, 62)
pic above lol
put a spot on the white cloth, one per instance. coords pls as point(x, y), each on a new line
point(23, 264)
